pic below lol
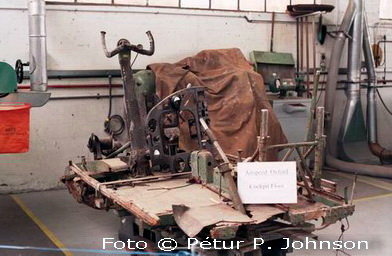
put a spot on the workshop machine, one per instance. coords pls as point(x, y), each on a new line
point(278, 71)
point(160, 190)
point(15, 109)
point(279, 74)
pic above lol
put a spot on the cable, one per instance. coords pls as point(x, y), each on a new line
point(106, 124)
point(114, 125)
point(343, 229)
point(383, 103)
point(137, 54)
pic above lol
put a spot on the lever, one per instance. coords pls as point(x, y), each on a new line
point(124, 44)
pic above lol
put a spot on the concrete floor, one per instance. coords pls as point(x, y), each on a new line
point(62, 220)
point(371, 221)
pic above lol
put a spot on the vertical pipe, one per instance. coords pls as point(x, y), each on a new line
point(331, 160)
point(355, 49)
point(307, 58)
point(297, 30)
point(375, 147)
point(333, 70)
point(272, 32)
point(353, 74)
point(314, 46)
point(37, 43)
point(371, 91)
point(302, 42)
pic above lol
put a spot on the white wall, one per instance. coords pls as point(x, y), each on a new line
point(74, 31)
point(60, 129)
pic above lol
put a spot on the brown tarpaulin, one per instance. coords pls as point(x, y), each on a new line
point(235, 95)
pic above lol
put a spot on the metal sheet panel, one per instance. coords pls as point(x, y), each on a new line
point(193, 220)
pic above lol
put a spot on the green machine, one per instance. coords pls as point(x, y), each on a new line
point(278, 71)
point(9, 78)
point(8, 82)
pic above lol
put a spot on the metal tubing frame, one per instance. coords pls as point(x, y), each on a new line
point(313, 106)
point(307, 57)
point(317, 146)
point(225, 169)
point(263, 138)
point(319, 152)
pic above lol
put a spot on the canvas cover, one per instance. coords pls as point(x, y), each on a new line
point(235, 96)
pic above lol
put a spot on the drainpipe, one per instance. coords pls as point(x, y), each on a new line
point(333, 70)
point(37, 42)
point(353, 88)
point(375, 147)
point(330, 159)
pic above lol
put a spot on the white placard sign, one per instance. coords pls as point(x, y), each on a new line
point(267, 182)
